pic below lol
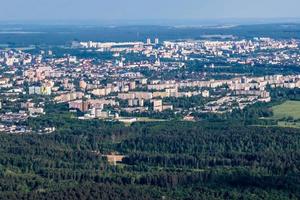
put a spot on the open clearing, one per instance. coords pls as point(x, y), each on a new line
point(287, 109)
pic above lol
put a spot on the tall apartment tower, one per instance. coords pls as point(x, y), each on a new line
point(148, 41)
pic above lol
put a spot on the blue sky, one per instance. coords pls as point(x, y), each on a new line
point(24, 10)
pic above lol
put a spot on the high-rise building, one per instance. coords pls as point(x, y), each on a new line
point(156, 41)
point(132, 85)
point(83, 106)
point(82, 84)
point(148, 41)
point(205, 93)
point(72, 59)
point(157, 105)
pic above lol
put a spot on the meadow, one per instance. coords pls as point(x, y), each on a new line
point(287, 114)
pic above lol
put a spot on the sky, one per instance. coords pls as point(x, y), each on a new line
point(139, 10)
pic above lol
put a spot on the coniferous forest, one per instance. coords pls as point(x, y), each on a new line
point(163, 160)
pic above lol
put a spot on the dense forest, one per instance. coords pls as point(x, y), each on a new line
point(163, 160)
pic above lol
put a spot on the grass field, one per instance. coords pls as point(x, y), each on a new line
point(289, 124)
point(145, 119)
point(287, 109)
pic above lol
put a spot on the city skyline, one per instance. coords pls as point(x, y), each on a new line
point(149, 99)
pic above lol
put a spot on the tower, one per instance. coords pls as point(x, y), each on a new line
point(148, 41)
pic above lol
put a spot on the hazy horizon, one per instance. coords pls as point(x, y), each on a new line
point(158, 22)
point(155, 11)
